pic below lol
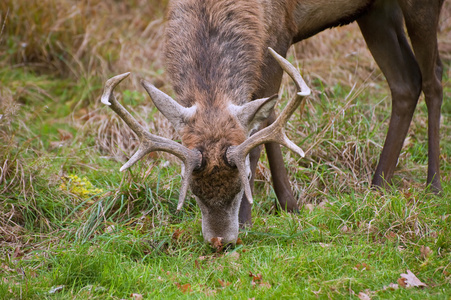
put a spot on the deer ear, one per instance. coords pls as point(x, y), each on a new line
point(171, 109)
point(252, 114)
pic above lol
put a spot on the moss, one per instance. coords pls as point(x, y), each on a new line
point(81, 187)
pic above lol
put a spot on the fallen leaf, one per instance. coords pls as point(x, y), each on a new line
point(345, 229)
point(177, 233)
point(411, 280)
point(56, 289)
point(391, 235)
point(110, 229)
point(223, 283)
point(65, 135)
point(408, 195)
point(391, 286)
point(185, 288)
point(257, 280)
point(136, 296)
point(56, 144)
point(216, 243)
point(363, 296)
point(425, 252)
point(82, 113)
point(402, 282)
point(323, 204)
point(361, 267)
point(239, 241)
point(257, 277)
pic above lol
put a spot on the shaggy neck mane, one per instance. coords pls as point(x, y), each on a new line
point(214, 50)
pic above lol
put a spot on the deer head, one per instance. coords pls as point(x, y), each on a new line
point(216, 143)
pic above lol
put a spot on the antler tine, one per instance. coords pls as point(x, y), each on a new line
point(109, 99)
point(273, 133)
point(190, 165)
point(303, 89)
point(235, 156)
point(150, 142)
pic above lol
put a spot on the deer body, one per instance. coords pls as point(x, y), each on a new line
point(218, 60)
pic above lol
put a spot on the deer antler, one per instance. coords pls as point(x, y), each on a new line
point(236, 155)
point(150, 142)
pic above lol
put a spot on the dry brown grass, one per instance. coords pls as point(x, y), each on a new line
point(10, 167)
point(13, 174)
point(80, 38)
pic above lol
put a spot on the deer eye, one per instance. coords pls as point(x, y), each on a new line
point(226, 160)
point(202, 164)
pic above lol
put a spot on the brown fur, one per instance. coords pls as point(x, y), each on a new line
point(214, 50)
point(212, 131)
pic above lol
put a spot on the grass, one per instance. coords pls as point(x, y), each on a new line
point(73, 226)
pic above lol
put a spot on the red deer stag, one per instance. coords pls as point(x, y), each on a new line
point(224, 75)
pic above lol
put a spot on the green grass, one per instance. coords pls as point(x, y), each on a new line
point(60, 240)
point(297, 256)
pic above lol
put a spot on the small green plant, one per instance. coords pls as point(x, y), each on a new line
point(81, 187)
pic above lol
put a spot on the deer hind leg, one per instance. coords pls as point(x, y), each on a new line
point(421, 19)
point(383, 30)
